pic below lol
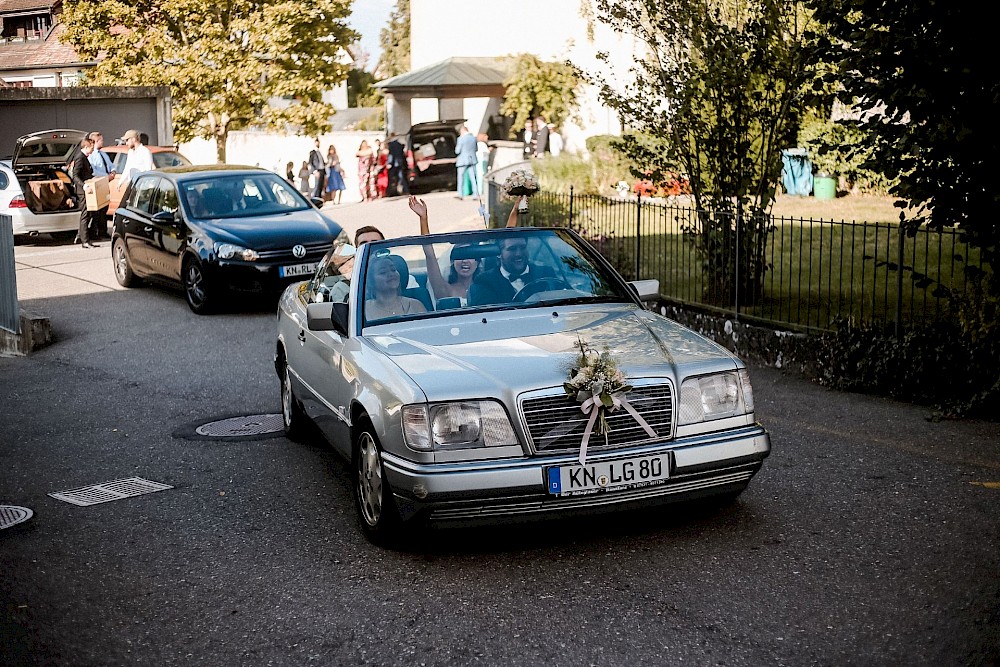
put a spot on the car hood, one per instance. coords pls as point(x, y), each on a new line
point(46, 148)
point(507, 353)
point(274, 232)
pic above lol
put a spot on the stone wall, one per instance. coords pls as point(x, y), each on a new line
point(753, 343)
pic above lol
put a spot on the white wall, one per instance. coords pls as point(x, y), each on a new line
point(272, 151)
point(553, 30)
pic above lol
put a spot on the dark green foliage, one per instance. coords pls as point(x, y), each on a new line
point(361, 91)
point(939, 365)
point(925, 76)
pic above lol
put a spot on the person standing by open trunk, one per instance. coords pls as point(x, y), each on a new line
point(80, 172)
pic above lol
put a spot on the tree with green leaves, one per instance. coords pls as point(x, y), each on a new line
point(536, 87)
point(223, 62)
point(925, 82)
point(394, 40)
point(715, 93)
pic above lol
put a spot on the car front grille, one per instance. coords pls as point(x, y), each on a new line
point(314, 251)
point(556, 422)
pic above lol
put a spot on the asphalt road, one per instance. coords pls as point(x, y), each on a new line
point(871, 536)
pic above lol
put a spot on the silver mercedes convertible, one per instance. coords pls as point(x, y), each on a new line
point(507, 374)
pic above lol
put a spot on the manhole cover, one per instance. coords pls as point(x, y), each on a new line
point(236, 427)
point(11, 515)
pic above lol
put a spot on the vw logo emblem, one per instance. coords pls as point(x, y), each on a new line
point(299, 251)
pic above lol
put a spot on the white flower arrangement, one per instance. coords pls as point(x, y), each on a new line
point(596, 382)
point(520, 183)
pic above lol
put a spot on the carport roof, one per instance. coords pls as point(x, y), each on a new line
point(452, 72)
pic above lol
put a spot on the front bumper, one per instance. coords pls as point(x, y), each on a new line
point(255, 278)
point(492, 491)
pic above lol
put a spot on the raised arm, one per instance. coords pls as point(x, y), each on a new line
point(434, 277)
point(512, 218)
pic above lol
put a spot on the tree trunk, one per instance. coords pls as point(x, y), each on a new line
point(221, 138)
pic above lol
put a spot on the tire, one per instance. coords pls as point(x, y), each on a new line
point(373, 500)
point(197, 291)
point(123, 268)
point(292, 416)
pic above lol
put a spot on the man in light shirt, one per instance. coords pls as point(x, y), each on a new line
point(102, 166)
point(139, 158)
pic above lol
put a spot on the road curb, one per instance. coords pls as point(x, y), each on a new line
point(35, 333)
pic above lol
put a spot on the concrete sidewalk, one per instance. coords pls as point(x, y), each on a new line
point(445, 212)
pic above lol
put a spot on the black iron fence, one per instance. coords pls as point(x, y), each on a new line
point(804, 273)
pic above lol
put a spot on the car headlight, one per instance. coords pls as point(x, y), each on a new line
point(715, 396)
point(230, 251)
point(458, 425)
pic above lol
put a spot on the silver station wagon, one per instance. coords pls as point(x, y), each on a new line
point(507, 374)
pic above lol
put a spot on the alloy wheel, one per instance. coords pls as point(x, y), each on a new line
point(369, 480)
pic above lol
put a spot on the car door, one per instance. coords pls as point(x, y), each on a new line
point(133, 223)
point(316, 357)
point(168, 235)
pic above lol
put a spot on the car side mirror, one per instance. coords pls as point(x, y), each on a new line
point(165, 217)
point(646, 290)
point(327, 316)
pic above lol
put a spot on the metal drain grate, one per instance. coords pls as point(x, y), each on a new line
point(11, 515)
point(108, 491)
point(235, 427)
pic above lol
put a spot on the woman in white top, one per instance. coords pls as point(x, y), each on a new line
point(383, 285)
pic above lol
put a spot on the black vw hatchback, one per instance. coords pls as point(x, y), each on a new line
point(218, 229)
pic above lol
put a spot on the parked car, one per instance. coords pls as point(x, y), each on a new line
point(35, 188)
point(163, 157)
point(430, 155)
point(218, 229)
point(459, 411)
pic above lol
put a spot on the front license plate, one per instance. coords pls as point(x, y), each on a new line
point(297, 270)
point(605, 476)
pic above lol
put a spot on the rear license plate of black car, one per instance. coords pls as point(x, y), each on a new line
point(296, 270)
point(604, 476)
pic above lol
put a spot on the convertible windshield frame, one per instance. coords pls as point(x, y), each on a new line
point(576, 274)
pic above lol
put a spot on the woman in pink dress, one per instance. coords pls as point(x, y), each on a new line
point(366, 171)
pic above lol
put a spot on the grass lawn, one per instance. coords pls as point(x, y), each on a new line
point(852, 208)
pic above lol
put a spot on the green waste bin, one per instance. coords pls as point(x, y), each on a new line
point(824, 186)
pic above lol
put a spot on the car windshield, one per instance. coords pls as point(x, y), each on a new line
point(240, 196)
point(420, 277)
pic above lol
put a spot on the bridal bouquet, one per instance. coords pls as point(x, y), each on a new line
point(520, 183)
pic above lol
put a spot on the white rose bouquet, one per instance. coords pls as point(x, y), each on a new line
point(521, 183)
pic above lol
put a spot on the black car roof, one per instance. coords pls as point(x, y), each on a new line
point(209, 169)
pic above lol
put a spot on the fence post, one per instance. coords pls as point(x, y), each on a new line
point(638, 236)
point(571, 205)
point(737, 268)
point(899, 282)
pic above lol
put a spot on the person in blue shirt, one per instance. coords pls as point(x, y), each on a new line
point(102, 166)
point(466, 160)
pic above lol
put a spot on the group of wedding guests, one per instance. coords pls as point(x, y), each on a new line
point(382, 169)
point(318, 176)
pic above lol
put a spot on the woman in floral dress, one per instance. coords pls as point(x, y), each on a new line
point(366, 171)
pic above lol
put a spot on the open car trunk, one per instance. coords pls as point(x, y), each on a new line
point(40, 162)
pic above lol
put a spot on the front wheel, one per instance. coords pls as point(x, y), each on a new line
point(373, 500)
point(123, 267)
point(196, 288)
point(292, 416)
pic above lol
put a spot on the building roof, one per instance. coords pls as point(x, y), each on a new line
point(48, 52)
point(452, 72)
point(19, 6)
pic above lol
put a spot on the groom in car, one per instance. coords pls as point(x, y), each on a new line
point(499, 285)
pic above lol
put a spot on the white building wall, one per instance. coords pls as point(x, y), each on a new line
point(553, 30)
